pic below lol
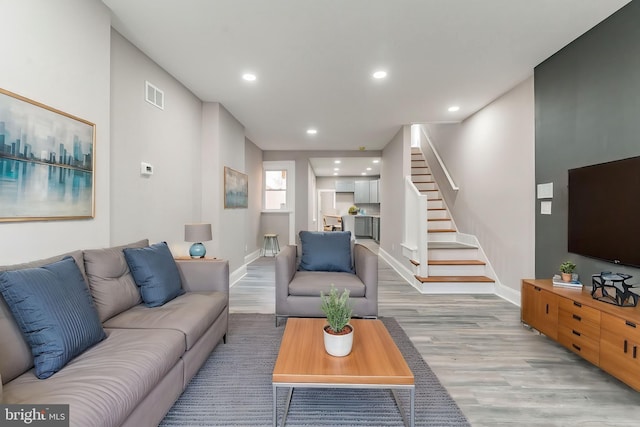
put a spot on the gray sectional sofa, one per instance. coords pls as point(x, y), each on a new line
point(134, 375)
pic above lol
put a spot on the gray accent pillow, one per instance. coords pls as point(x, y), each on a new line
point(110, 280)
point(54, 310)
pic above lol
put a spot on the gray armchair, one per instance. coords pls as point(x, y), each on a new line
point(298, 292)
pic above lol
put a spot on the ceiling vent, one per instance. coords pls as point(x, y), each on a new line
point(154, 96)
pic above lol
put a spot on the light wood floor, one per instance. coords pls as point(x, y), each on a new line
point(499, 372)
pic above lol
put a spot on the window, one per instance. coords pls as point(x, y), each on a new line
point(275, 189)
point(278, 185)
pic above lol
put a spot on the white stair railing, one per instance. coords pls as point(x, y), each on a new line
point(415, 225)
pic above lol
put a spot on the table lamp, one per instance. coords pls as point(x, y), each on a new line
point(197, 233)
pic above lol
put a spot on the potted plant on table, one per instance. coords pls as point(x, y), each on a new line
point(338, 333)
point(353, 210)
point(567, 268)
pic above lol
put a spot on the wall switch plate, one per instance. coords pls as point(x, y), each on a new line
point(146, 169)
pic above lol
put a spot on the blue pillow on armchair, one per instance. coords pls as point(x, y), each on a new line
point(155, 272)
point(326, 251)
point(54, 310)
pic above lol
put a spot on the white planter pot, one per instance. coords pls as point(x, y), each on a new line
point(338, 345)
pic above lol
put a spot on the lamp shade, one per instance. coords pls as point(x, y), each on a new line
point(197, 232)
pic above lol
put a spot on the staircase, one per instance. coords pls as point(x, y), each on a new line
point(453, 265)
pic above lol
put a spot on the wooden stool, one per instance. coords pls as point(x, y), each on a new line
point(270, 242)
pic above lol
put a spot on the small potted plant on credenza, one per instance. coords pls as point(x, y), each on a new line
point(338, 333)
point(567, 268)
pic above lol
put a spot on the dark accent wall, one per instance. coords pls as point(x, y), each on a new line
point(587, 101)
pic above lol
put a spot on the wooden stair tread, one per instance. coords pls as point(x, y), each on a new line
point(414, 262)
point(439, 219)
point(456, 262)
point(450, 245)
point(454, 279)
point(444, 230)
point(436, 209)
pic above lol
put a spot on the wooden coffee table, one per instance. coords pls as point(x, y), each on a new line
point(374, 362)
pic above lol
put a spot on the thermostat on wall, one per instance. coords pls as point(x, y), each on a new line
point(146, 169)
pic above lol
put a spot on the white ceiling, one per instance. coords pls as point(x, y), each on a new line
point(314, 58)
point(348, 166)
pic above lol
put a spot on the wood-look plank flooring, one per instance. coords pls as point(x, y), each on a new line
point(498, 371)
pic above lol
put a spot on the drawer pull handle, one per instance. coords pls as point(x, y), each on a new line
point(576, 347)
point(633, 325)
point(547, 309)
point(537, 288)
point(635, 351)
point(625, 346)
point(577, 304)
point(576, 333)
point(578, 318)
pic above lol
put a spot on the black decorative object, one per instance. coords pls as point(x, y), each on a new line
point(612, 288)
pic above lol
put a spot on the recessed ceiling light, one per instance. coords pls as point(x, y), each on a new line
point(312, 131)
point(363, 173)
point(453, 108)
point(337, 162)
point(336, 169)
point(249, 77)
point(335, 173)
point(376, 161)
point(368, 169)
point(380, 74)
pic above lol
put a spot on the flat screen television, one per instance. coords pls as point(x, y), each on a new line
point(604, 211)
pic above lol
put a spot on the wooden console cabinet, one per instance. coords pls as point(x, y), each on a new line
point(604, 334)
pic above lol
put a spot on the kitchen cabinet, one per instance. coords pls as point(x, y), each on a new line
point(375, 224)
point(363, 227)
point(366, 192)
point(345, 185)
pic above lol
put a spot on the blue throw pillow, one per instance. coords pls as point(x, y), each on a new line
point(326, 251)
point(155, 272)
point(54, 310)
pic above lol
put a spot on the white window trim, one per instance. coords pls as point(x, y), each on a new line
point(290, 167)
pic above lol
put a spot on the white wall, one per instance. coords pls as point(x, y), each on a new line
point(223, 144)
point(156, 206)
point(396, 164)
point(253, 167)
point(57, 53)
point(491, 158)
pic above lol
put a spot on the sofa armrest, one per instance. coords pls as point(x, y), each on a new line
point(285, 270)
point(204, 274)
point(366, 266)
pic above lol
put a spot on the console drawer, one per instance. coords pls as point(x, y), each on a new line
point(585, 346)
point(585, 325)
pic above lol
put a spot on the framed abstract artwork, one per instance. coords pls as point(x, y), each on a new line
point(47, 161)
point(236, 189)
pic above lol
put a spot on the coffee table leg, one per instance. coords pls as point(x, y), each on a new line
point(275, 414)
point(286, 408)
point(411, 422)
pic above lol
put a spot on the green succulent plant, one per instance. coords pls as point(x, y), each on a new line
point(337, 308)
point(567, 267)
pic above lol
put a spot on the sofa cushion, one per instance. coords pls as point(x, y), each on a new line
point(105, 383)
point(54, 310)
point(311, 283)
point(192, 314)
point(15, 354)
point(326, 251)
point(110, 279)
point(155, 273)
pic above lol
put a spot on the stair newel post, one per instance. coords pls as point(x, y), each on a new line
point(423, 268)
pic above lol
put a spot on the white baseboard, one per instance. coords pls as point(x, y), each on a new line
point(249, 258)
point(402, 270)
point(508, 294)
point(238, 274)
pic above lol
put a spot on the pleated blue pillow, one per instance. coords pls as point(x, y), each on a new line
point(54, 310)
point(326, 251)
point(155, 272)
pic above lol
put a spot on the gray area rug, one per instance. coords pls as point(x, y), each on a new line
point(233, 388)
